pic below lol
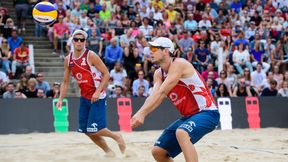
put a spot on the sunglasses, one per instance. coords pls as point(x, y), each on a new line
point(154, 49)
point(79, 39)
point(5, 42)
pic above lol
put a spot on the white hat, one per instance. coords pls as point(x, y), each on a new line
point(278, 11)
point(164, 43)
point(80, 32)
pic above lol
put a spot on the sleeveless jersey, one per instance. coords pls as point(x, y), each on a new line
point(191, 95)
point(87, 76)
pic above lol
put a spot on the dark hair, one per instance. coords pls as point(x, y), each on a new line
point(145, 18)
point(10, 83)
point(273, 81)
point(117, 86)
point(225, 93)
point(259, 63)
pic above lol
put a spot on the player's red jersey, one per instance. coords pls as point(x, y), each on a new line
point(191, 95)
point(87, 76)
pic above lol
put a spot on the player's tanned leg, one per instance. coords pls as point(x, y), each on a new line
point(160, 155)
point(100, 141)
point(187, 147)
point(115, 136)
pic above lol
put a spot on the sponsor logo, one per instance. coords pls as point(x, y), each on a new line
point(189, 126)
point(78, 76)
point(82, 81)
point(179, 101)
point(83, 63)
point(173, 97)
point(158, 142)
point(94, 129)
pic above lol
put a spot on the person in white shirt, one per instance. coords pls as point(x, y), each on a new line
point(205, 22)
point(146, 29)
point(257, 77)
point(119, 75)
point(3, 77)
point(150, 7)
point(84, 20)
point(241, 57)
point(158, 14)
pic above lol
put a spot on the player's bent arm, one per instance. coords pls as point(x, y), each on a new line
point(174, 74)
point(100, 66)
point(65, 83)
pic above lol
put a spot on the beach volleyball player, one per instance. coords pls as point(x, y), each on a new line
point(92, 77)
point(181, 83)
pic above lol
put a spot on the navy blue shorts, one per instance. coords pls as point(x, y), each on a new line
point(196, 126)
point(92, 116)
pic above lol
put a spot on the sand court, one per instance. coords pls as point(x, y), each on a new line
point(238, 145)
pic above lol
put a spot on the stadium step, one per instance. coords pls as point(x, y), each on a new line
point(46, 64)
point(50, 69)
point(30, 38)
point(47, 60)
point(46, 55)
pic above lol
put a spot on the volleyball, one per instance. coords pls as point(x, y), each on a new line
point(44, 13)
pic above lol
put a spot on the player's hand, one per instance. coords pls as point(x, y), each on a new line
point(137, 120)
point(95, 97)
point(59, 105)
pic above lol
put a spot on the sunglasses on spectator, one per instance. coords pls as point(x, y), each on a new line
point(79, 39)
point(5, 42)
point(154, 49)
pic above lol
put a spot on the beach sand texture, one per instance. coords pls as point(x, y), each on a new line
point(238, 145)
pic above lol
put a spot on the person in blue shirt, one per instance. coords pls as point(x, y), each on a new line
point(97, 6)
point(236, 5)
point(140, 82)
point(190, 23)
point(113, 53)
point(41, 84)
point(241, 39)
point(202, 56)
point(14, 41)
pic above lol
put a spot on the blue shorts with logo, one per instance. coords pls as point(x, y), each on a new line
point(196, 126)
point(92, 116)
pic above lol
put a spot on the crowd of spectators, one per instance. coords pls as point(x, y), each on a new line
point(240, 47)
